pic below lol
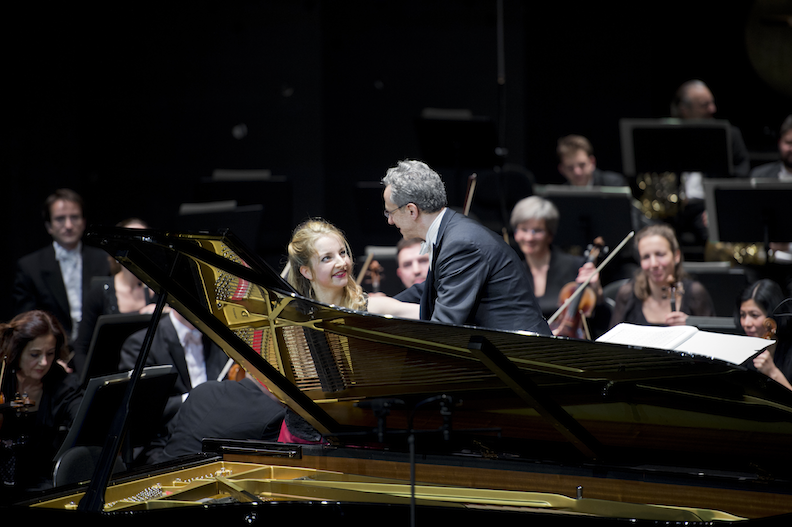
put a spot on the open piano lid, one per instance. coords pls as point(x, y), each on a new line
point(513, 396)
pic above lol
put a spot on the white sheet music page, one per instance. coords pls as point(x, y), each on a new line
point(731, 348)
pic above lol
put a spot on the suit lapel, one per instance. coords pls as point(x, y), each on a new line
point(53, 279)
point(214, 358)
point(176, 351)
point(91, 267)
point(430, 292)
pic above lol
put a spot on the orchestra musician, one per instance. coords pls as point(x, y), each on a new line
point(123, 292)
point(661, 293)
point(320, 268)
point(755, 307)
point(535, 222)
point(242, 409)
point(41, 398)
point(474, 277)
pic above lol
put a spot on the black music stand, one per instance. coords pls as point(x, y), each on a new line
point(245, 221)
point(588, 212)
point(104, 352)
point(748, 210)
point(101, 400)
point(675, 145)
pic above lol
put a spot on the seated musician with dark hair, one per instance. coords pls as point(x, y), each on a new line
point(760, 312)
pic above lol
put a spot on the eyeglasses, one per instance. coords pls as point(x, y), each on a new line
point(388, 213)
point(533, 232)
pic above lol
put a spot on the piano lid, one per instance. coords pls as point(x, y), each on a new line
point(521, 392)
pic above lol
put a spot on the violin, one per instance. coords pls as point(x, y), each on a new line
point(770, 328)
point(572, 318)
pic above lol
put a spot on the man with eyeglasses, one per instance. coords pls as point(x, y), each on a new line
point(55, 278)
point(474, 277)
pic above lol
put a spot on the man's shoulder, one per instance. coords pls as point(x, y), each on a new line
point(606, 178)
point(461, 227)
point(767, 170)
point(164, 330)
point(88, 250)
point(46, 252)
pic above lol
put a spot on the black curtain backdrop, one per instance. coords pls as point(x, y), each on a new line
point(133, 105)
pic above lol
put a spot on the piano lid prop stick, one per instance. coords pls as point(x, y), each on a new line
point(285, 272)
point(586, 282)
point(364, 268)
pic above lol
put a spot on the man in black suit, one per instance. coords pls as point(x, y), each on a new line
point(194, 357)
point(228, 409)
point(694, 100)
point(177, 342)
point(56, 278)
point(781, 169)
point(474, 277)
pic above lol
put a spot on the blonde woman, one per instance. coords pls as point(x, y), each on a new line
point(321, 268)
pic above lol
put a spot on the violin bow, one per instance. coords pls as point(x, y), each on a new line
point(582, 286)
point(363, 269)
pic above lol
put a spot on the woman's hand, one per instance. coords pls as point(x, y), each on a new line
point(676, 318)
point(764, 363)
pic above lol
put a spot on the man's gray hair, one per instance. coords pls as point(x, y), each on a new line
point(414, 182)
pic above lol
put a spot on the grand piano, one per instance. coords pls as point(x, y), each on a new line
point(433, 422)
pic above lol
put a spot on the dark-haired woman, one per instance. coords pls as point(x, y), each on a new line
point(755, 305)
point(30, 346)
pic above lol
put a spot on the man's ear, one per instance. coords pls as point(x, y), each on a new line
point(48, 226)
point(306, 272)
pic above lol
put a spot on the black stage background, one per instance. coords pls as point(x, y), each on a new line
point(132, 105)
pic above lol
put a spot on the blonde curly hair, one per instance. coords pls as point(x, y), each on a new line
point(302, 247)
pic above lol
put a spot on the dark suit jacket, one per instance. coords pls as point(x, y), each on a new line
point(604, 178)
point(476, 279)
point(228, 409)
point(166, 349)
point(39, 284)
point(768, 170)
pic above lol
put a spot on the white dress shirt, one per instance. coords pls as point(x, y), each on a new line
point(192, 341)
point(427, 247)
point(71, 265)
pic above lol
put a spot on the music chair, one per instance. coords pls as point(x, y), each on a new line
point(609, 291)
